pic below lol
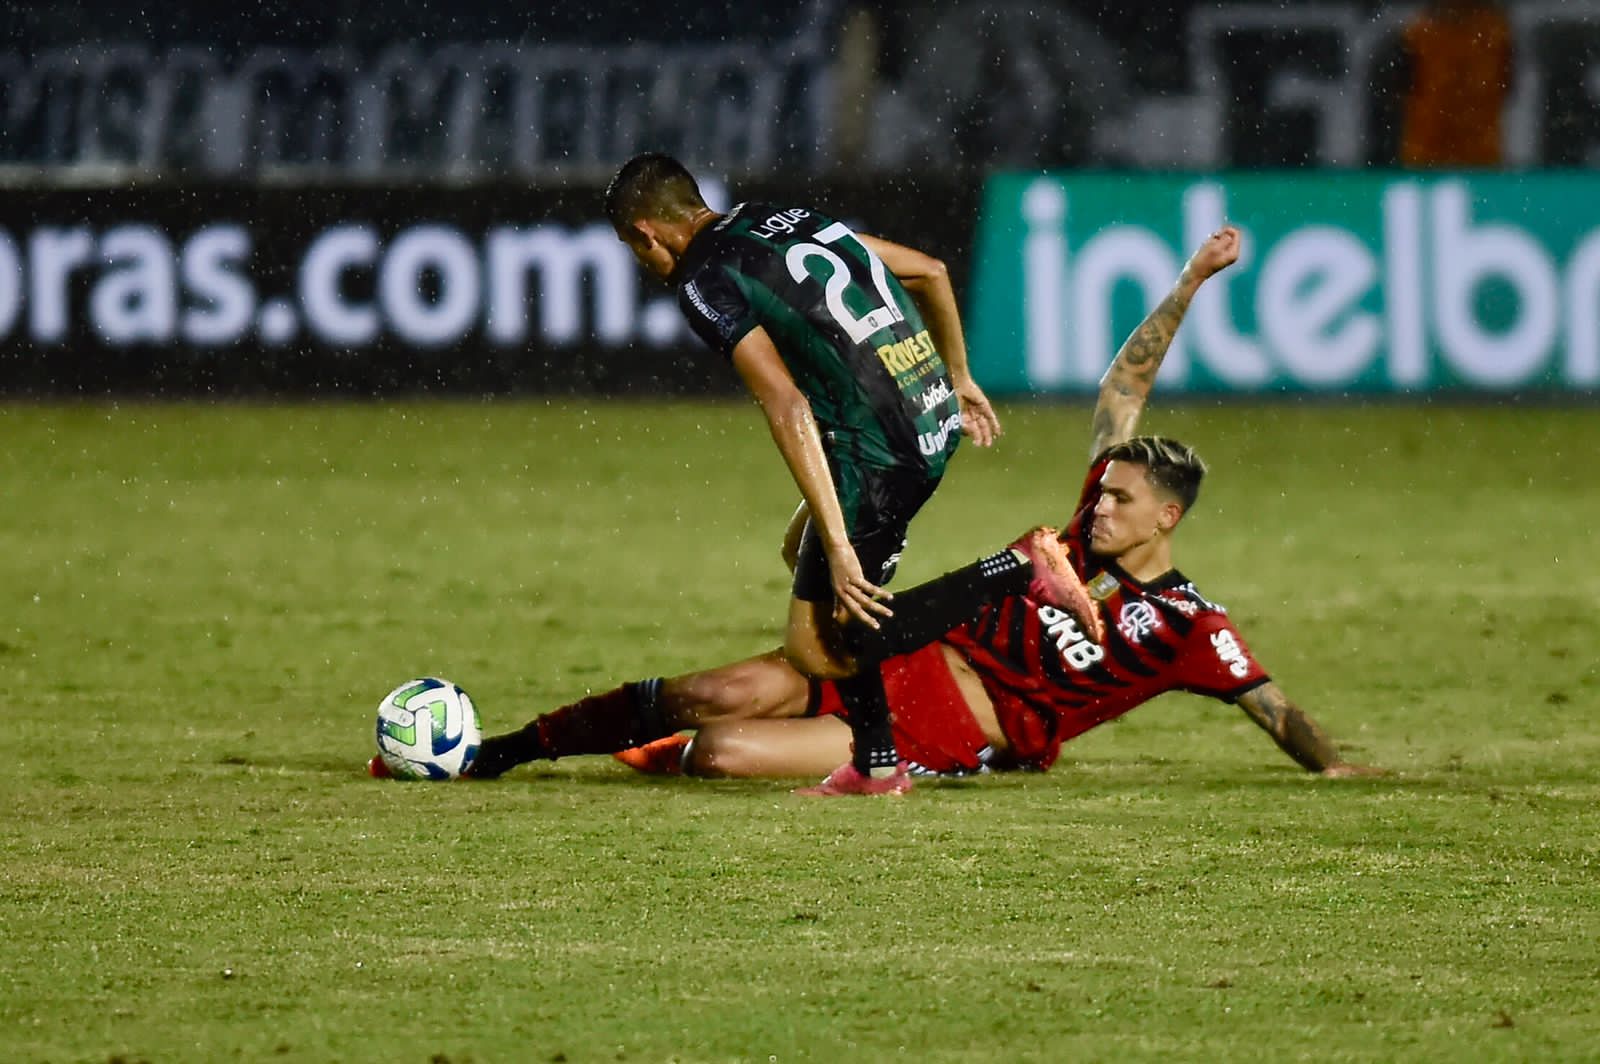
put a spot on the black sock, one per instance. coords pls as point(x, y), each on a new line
point(647, 703)
point(927, 611)
point(863, 697)
point(625, 716)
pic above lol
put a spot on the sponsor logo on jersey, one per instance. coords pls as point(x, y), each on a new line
point(932, 443)
point(1138, 620)
point(781, 224)
point(1230, 653)
point(692, 290)
point(1103, 585)
point(1182, 605)
point(1075, 648)
point(936, 395)
point(723, 323)
point(903, 356)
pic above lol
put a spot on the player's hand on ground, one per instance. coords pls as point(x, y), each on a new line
point(1220, 251)
point(855, 597)
point(1346, 771)
point(978, 419)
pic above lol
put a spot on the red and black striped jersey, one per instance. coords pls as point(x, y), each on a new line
point(1050, 683)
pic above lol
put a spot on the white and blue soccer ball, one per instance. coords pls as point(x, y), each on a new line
point(428, 729)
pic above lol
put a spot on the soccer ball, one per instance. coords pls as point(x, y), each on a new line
point(428, 730)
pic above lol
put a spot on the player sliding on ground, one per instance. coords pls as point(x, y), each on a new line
point(852, 346)
point(1006, 689)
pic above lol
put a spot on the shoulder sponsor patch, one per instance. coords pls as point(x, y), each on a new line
point(1103, 585)
point(719, 321)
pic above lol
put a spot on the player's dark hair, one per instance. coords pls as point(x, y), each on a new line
point(652, 185)
point(1169, 466)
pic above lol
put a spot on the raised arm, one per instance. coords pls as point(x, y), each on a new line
point(927, 279)
point(1131, 375)
point(1297, 734)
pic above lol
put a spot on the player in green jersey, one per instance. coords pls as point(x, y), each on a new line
point(853, 348)
point(844, 341)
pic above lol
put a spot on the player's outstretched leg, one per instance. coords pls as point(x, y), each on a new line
point(499, 754)
point(924, 613)
point(1055, 583)
point(599, 724)
point(1037, 564)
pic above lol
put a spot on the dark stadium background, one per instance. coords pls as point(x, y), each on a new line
point(290, 118)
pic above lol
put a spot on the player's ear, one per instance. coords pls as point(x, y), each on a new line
point(1169, 515)
point(635, 233)
point(645, 232)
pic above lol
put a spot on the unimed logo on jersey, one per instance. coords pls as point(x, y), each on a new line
point(931, 443)
point(1076, 648)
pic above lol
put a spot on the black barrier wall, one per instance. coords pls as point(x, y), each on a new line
point(245, 290)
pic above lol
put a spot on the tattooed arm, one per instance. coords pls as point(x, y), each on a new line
point(1297, 734)
point(1132, 373)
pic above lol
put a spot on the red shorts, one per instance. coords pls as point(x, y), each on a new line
point(933, 727)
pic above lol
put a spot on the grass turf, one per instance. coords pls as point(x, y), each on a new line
point(202, 605)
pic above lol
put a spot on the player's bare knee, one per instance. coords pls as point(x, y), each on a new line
point(712, 755)
point(699, 757)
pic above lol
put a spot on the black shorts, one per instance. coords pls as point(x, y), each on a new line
point(878, 506)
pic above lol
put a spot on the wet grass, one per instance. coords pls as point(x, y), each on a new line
point(201, 606)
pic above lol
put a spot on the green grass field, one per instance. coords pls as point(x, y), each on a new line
point(202, 606)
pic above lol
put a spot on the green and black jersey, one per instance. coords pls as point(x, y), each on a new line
point(849, 334)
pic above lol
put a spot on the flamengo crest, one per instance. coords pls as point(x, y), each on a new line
point(1138, 620)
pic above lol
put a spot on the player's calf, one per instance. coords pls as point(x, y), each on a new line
point(629, 715)
point(926, 612)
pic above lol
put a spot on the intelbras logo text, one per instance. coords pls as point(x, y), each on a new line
point(1348, 282)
